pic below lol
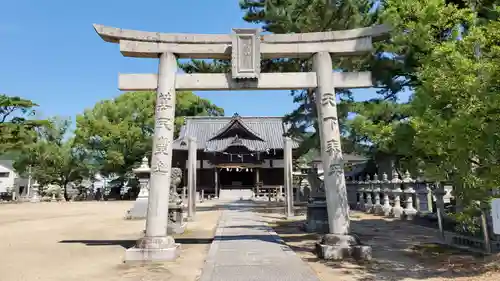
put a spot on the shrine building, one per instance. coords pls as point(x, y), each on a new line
point(235, 154)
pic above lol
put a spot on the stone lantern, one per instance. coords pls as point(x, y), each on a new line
point(143, 172)
point(35, 189)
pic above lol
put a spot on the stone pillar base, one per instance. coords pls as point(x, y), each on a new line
point(140, 209)
point(153, 249)
point(176, 228)
point(339, 247)
point(378, 210)
point(397, 212)
point(410, 214)
point(317, 218)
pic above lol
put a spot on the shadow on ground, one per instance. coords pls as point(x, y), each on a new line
point(400, 250)
point(130, 243)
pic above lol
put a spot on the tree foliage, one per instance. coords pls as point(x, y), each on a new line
point(54, 158)
point(291, 16)
point(16, 129)
point(457, 113)
point(426, 54)
point(118, 132)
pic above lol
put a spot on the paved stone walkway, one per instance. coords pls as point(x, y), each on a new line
point(247, 249)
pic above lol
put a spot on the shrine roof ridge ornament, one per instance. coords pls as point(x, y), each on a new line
point(135, 43)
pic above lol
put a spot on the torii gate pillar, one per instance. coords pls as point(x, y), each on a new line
point(245, 48)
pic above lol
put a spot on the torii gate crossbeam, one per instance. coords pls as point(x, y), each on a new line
point(245, 48)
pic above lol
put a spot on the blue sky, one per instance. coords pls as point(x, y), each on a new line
point(50, 53)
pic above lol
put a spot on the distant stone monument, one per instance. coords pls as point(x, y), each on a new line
point(174, 184)
point(140, 209)
point(176, 223)
point(35, 196)
point(317, 214)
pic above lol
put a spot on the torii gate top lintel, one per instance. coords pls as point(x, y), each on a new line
point(135, 43)
point(114, 35)
point(245, 47)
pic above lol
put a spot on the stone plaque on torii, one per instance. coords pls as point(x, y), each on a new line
point(245, 48)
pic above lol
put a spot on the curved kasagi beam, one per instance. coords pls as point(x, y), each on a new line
point(376, 32)
point(135, 43)
point(114, 35)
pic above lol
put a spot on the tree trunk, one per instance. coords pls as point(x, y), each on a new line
point(65, 188)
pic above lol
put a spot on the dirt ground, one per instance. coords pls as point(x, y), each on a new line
point(86, 241)
point(401, 252)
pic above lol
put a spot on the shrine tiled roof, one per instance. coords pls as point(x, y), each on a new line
point(266, 133)
point(220, 145)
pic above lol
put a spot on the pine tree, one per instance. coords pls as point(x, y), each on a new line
point(297, 16)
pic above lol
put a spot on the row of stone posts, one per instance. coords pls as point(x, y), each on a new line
point(398, 197)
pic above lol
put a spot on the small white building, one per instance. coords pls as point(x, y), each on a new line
point(10, 179)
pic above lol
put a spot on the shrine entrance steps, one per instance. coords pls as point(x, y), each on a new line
point(246, 248)
point(235, 194)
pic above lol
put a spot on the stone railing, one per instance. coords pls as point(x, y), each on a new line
point(408, 198)
point(269, 193)
point(398, 197)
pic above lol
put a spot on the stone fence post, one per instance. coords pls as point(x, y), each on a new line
point(359, 194)
point(409, 210)
point(397, 210)
point(439, 193)
point(377, 208)
point(386, 188)
point(423, 196)
point(369, 195)
point(362, 191)
point(352, 193)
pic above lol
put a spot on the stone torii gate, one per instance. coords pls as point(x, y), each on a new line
point(245, 48)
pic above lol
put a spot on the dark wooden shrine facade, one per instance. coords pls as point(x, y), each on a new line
point(233, 152)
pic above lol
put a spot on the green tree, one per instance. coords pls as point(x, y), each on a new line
point(418, 28)
point(381, 126)
point(118, 132)
point(291, 16)
point(457, 113)
point(16, 129)
point(54, 159)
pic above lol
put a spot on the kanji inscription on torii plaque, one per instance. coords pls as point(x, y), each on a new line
point(245, 54)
